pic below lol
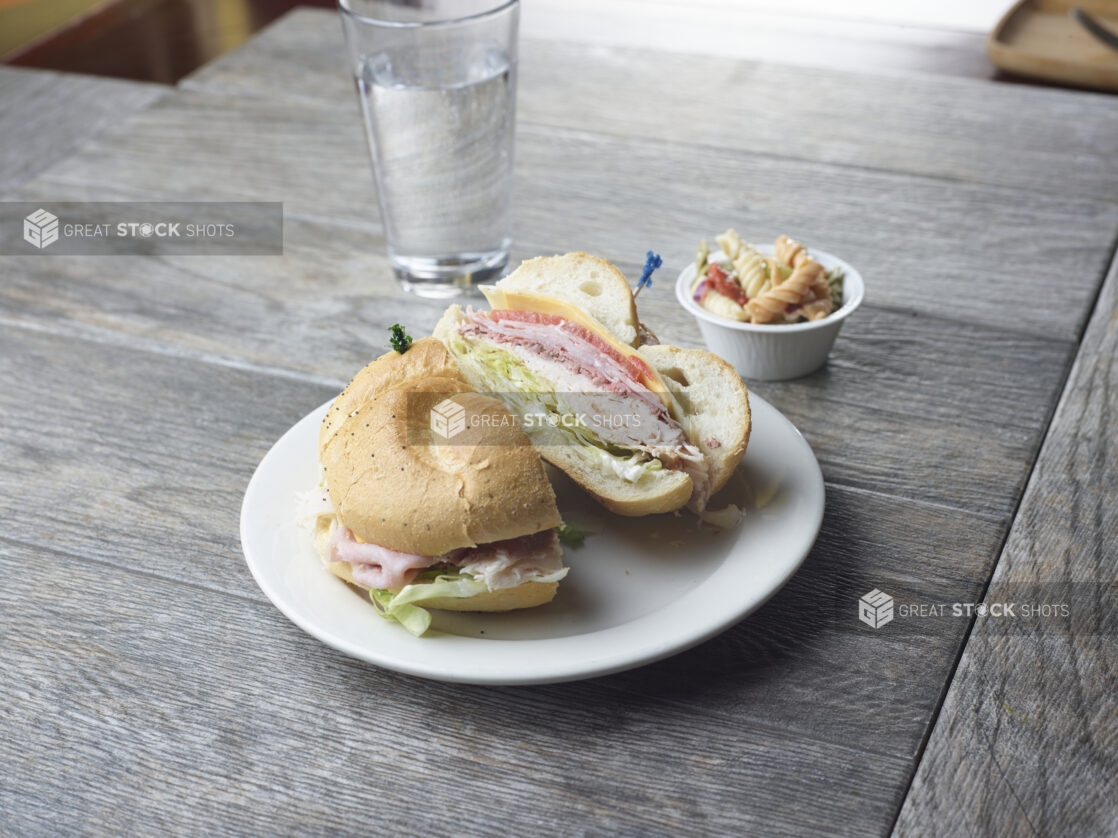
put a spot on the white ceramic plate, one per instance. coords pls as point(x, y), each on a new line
point(639, 589)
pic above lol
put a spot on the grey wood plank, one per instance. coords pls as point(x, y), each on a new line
point(145, 456)
point(851, 36)
point(48, 116)
point(211, 148)
point(918, 406)
point(1037, 139)
point(978, 253)
point(134, 704)
point(785, 763)
point(963, 252)
point(958, 129)
point(807, 640)
point(162, 448)
point(830, 43)
point(1025, 743)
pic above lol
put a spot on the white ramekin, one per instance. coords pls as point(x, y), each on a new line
point(773, 353)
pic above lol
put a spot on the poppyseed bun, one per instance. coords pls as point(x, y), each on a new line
point(395, 482)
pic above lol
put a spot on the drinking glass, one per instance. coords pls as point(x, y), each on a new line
point(437, 84)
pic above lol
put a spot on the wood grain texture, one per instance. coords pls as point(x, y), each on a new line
point(957, 129)
point(969, 252)
point(972, 253)
point(161, 598)
point(216, 148)
point(162, 464)
point(961, 129)
point(47, 116)
point(134, 704)
point(141, 458)
point(148, 684)
point(917, 406)
point(1026, 741)
point(847, 37)
point(806, 649)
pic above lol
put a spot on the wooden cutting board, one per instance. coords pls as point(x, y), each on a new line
point(1037, 38)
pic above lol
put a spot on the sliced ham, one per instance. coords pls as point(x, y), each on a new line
point(572, 346)
point(375, 566)
point(577, 361)
point(500, 564)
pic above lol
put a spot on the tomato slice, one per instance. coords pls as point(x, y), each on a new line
point(636, 366)
point(724, 284)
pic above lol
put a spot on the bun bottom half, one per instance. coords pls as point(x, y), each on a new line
point(662, 491)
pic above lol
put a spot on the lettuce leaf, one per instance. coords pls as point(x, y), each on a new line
point(402, 607)
point(415, 619)
point(526, 393)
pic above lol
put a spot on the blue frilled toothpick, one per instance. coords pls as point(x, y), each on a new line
point(651, 262)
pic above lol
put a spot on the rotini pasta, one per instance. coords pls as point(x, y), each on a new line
point(725, 307)
point(816, 309)
point(746, 286)
point(751, 272)
point(774, 304)
point(748, 264)
point(789, 251)
point(731, 244)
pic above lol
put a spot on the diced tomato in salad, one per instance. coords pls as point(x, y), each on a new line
point(721, 282)
point(636, 366)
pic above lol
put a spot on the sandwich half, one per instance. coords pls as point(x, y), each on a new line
point(424, 519)
point(644, 428)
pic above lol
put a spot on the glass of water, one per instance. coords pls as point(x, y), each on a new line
point(437, 85)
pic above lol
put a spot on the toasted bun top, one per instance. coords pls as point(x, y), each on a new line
point(397, 483)
point(588, 282)
point(427, 358)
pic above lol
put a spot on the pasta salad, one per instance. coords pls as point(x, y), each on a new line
point(745, 285)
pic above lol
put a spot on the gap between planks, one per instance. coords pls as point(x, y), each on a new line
point(999, 556)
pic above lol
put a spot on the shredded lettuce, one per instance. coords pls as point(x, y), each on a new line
point(500, 368)
point(405, 606)
point(446, 585)
point(632, 468)
point(402, 607)
point(526, 393)
point(415, 619)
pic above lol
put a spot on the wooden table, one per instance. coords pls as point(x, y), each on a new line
point(149, 686)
